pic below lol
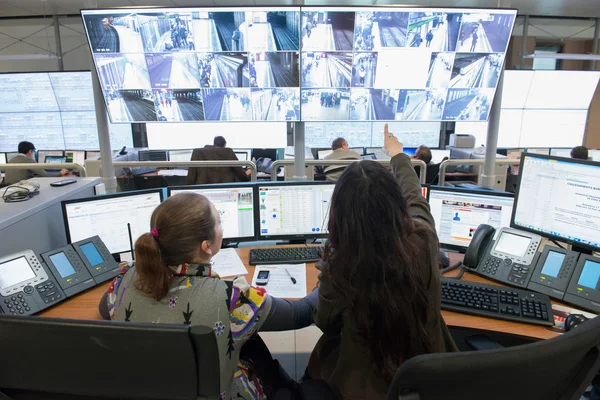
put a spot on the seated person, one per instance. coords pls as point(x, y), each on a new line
point(423, 153)
point(27, 156)
point(379, 286)
point(340, 152)
point(579, 152)
point(217, 151)
point(172, 283)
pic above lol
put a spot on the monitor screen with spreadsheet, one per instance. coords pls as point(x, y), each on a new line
point(108, 216)
point(559, 198)
point(458, 212)
point(293, 210)
point(235, 203)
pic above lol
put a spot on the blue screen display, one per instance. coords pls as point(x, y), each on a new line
point(589, 274)
point(62, 264)
point(91, 253)
point(553, 263)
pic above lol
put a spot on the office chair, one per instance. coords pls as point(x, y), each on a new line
point(67, 359)
point(556, 369)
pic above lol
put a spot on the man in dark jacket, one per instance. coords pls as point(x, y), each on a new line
point(217, 151)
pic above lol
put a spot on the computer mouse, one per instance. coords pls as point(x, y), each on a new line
point(574, 320)
point(444, 259)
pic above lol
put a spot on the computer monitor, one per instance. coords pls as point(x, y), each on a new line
point(235, 203)
point(438, 155)
point(77, 157)
point(558, 198)
point(321, 154)
point(9, 156)
point(2, 158)
point(358, 150)
point(378, 151)
point(180, 155)
point(109, 216)
point(265, 153)
point(410, 151)
point(288, 210)
point(458, 212)
point(92, 155)
point(593, 155)
point(42, 154)
point(241, 155)
point(368, 156)
point(542, 151)
point(561, 153)
point(248, 154)
point(54, 159)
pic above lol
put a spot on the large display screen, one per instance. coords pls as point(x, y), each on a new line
point(54, 111)
point(309, 63)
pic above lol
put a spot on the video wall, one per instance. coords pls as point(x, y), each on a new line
point(298, 64)
point(54, 111)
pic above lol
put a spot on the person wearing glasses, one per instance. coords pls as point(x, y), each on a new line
point(26, 155)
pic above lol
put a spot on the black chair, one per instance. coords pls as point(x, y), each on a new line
point(47, 358)
point(558, 368)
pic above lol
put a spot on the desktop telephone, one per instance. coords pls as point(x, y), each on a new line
point(28, 285)
point(509, 259)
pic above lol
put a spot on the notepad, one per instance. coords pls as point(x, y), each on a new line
point(280, 284)
point(228, 263)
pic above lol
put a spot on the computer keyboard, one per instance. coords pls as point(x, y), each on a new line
point(285, 255)
point(496, 302)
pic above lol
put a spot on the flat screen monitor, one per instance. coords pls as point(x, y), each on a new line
point(9, 156)
point(368, 156)
point(180, 155)
point(562, 90)
point(558, 198)
point(458, 212)
point(410, 151)
point(544, 152)
point(92, 155)
point(378, 151)
point(358, 150)
point(53, 159)
point(438, 155)
point(594, 155)
point(2, 158)
point(42, 154)
point(280, 64)
point(321, 154)
point(197, 64)
point(561, 152)
point(293, 209)
point(235, 203)
point(109, 216)
point(77, 157)
point(241, 155)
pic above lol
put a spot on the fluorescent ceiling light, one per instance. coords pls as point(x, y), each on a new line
point(562, 56)
point(9, 57)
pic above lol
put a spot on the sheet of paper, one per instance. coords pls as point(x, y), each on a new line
point(173, 172)
point(228, 263)
point(280, 284)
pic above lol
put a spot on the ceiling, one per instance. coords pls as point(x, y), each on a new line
point(562, 8)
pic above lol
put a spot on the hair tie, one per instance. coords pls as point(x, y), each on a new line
point(154, 233)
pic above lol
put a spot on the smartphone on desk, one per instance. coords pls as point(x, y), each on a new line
point(263, 278)
point(64, 182)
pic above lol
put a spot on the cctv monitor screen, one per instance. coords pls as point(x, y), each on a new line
point(558, 198)
point(294, 210)
point(235, 204)
point(197, 64)
point(287, 63)
point(458, 212)
point(109, 217)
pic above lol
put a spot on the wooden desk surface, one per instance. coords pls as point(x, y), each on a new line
point(85, 305)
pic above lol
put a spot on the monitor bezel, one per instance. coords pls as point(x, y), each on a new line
point(544, 234)
point(64, 204)
point(476, 192)
point(236, 185)
point(260, 236)
point(283, 7)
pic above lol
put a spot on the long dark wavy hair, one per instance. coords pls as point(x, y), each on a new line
point(380, 262)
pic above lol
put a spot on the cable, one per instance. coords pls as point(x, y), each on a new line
point(452, 268)
point(20, 194)
point(558, 244)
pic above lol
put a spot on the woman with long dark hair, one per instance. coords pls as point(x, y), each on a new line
point(379, 293)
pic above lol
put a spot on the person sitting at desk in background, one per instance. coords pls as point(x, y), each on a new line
point(217, 151)
point(579, 152)
point(341, 151)
point(423, 153)
point(27, 156)
point(171, 282)
point(379, 286)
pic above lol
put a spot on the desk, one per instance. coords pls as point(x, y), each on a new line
point(85, 305)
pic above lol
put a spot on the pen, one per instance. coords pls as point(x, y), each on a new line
point(291, 277)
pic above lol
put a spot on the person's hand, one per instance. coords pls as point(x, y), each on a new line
point(391, 145)
point(64, 172)
point(248, 172)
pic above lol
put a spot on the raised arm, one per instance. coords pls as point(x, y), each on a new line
point(406, 176)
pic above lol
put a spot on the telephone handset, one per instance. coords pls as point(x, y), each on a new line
point(509, 259)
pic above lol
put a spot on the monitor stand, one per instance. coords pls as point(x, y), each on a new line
point(581, 250)
point(292, 241)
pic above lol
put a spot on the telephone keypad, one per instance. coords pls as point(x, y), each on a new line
point(16, 305)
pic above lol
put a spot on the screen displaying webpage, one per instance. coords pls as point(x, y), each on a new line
point(235, 207)
point(566, 198)
point(458, 214)
point(294, 210)
point(109, 219)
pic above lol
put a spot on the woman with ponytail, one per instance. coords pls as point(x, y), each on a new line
point(172, 282)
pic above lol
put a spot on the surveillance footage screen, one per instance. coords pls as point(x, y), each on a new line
point(197, 64)
point(292, 64)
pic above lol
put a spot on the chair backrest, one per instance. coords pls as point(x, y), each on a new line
point(107, 359)
point(558, 368)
